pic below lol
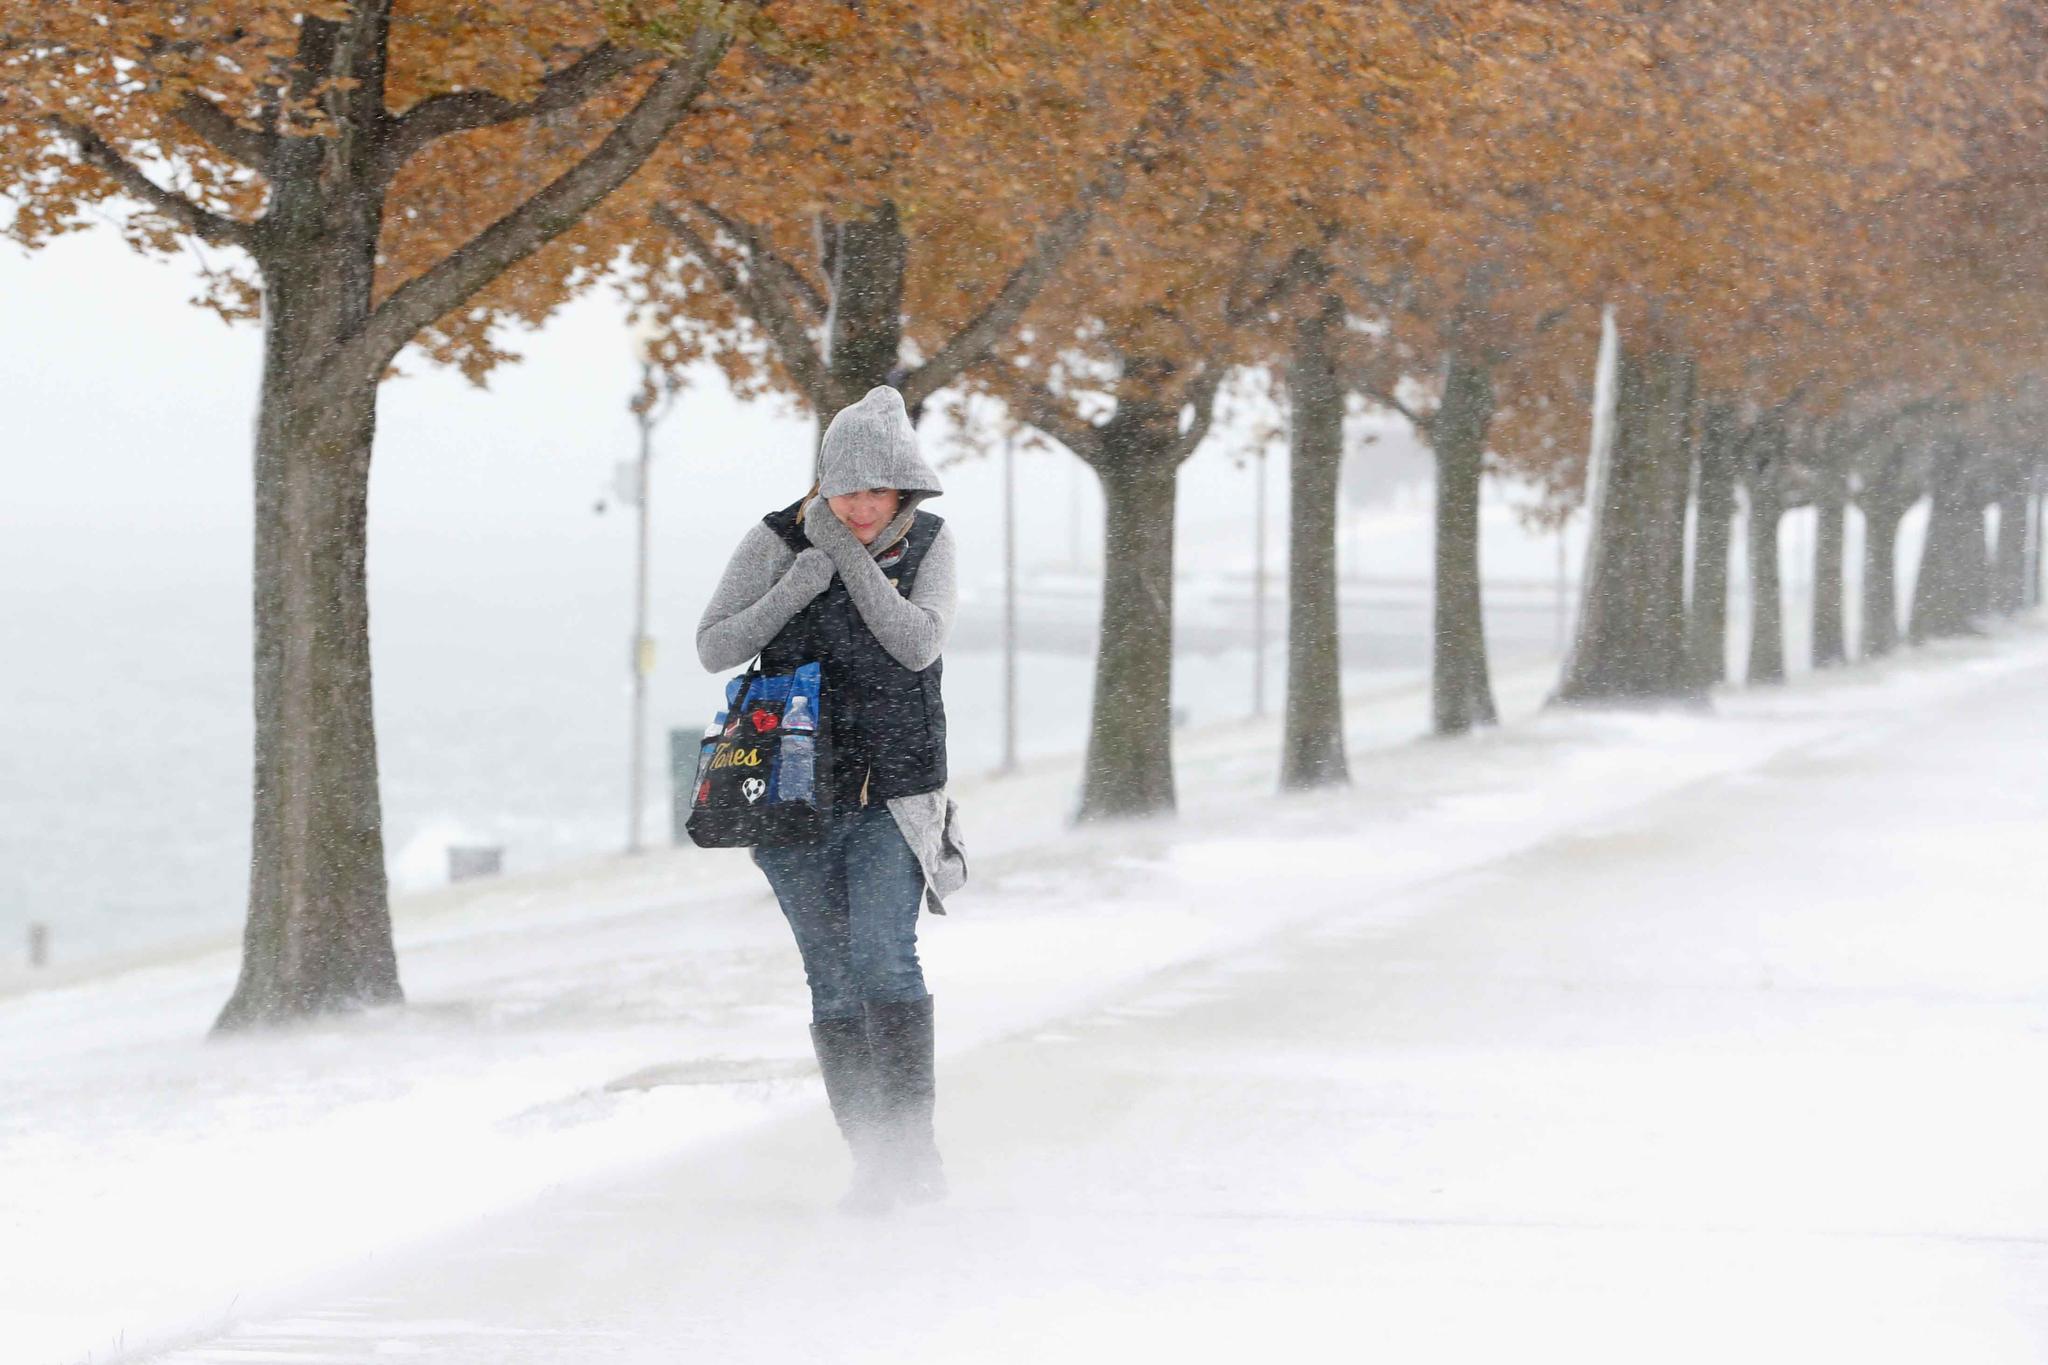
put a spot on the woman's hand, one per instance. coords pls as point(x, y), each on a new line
point(812, 572)
point(828, 533)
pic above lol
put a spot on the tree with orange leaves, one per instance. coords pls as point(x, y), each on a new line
point(379, 173)
point(1753, 132)
point(895, 213)
point(1229, 261)
point(1157, 161)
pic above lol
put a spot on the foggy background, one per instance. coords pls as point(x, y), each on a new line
point(501, 600)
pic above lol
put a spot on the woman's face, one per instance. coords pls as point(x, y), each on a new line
point(866, 513)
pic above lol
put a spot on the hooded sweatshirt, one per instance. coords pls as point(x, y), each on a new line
point(869, 444)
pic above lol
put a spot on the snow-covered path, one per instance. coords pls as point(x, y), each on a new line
point(1751, 1070)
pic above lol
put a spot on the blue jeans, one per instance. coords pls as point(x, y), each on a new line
point(852, 899)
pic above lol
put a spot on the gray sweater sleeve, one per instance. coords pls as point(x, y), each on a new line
point(913, 629)
point(762, 588)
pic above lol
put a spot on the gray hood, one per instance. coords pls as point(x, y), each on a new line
point(871, 444)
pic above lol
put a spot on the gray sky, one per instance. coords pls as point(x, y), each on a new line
point(131, 413)
point(125, 477)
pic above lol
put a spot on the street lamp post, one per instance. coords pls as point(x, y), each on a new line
point(1564, 606)
point(648, 405)
point(1010, 601)
point(641, 649)
point(1259, 584)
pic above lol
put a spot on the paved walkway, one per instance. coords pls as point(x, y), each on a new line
point(1754, 1074)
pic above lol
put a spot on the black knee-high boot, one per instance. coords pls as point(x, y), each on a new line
point(900, 1040)
point(854, 1090)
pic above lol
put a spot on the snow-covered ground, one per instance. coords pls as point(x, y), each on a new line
point(1606, 1036)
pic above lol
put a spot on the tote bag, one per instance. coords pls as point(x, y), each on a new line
point(763, 770)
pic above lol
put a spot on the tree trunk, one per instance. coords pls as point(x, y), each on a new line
point(1130, 735)
point(318, 935)
point(1312, 740)
point(1974, 557)
point(864, 329)
point(1461, 692)
point(2009, 566)
point(1831, 506)
point(1881, 518)
point(1707, 608)
point(1766, 600)
point(2034, 539)
point(1631, 643)
point(1951, 590)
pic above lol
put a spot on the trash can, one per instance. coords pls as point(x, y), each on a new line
point(475, 860)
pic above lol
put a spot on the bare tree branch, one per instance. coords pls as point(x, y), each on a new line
point(785, 279)
point(979, 335)
point(202, 116)
point(249, 146)
point(1037, 269)
point(1202, 393)
point(1234, 310)
point(1374, 394)
point(438, 116)
point(792, 342)
point(1361, 281)
point(548, 214)
point(199, 221)
point(779, 283)
point(1306, 267)
point(1002, 312)
point(1044, 410)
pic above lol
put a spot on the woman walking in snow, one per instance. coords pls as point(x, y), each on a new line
point(858, 577)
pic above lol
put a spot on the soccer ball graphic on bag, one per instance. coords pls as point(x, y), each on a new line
point(764, 763)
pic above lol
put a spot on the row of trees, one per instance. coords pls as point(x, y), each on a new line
point(1814, 232)
point(1962, 464)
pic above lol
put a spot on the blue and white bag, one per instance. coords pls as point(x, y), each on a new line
point(763, 772)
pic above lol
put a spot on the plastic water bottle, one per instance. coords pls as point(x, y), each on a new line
point(798, 774)
point(712, 734)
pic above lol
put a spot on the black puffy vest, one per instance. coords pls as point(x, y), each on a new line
point(886, 724)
